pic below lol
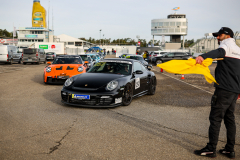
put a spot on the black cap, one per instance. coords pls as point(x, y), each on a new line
point(224, 30)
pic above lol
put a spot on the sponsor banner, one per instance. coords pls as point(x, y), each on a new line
point(31, 36)
point(43, 46)
point(8, 40)
point(51, 47)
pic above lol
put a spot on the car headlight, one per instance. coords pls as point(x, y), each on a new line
point(68, 82)
point(48, 69)
point(80, 69)
point(112, 85)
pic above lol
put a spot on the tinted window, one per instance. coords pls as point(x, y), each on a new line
point(179, 54)
point(137, 66)
point(112, 67)
point(50, 53)
point(84, 58)
point(29, 51)
point(170, 54)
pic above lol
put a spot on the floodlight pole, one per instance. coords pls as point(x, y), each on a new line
point(100, 37)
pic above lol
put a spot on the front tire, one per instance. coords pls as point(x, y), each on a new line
point(127, 95)
point(11, 61)
point(20, 61)
point(158, 62)
point(152, 86)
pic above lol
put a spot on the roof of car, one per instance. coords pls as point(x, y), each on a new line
point(68, 56)
point(120, 59)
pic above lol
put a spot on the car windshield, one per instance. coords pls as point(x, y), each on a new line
point(114, 67)
point(135, 57)
point(84, 57)
point(93, 57)
point(166, 53)
point(67, 60)
point(49, 53)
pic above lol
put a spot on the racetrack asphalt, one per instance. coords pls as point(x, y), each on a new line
point(168, 125)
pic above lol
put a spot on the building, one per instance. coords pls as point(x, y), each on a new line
point(175, 26)
point(29, 35)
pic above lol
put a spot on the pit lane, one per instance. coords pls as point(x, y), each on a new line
point(170, 124)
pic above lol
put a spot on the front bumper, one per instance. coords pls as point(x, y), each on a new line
point(97, 99)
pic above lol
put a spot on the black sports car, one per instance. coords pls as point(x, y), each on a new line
point(109, 83)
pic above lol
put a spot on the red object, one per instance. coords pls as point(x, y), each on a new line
point(36, 55)
point(238, 96)
point(161, 70)
point(139, 43)
point(182, 76)
point(53, 46)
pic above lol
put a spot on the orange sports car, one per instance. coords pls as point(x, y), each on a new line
point(63, 67)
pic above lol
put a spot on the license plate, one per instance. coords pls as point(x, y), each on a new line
point(79, 96)
point(62, 77)
point(29, 59)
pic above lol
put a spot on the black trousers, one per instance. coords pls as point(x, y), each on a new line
point(222, 107)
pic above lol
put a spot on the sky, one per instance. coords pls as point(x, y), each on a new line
point(122, 18)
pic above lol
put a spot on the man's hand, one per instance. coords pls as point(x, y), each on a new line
point(199, 60)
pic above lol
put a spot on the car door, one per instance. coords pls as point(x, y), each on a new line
point(139, 79)
point(178, 55)
point(168, 57)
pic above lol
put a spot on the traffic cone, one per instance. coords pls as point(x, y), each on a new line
point(161, 70)
point(182, 76)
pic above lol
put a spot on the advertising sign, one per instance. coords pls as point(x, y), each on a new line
point(58, 48)
point(31, 36)
point(43, 46)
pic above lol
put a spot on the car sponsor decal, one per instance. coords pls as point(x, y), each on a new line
point(77, 96)
point(118, 100)
point(116, 61)
point(137, 83)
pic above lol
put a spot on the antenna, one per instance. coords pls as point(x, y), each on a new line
point(52, 22)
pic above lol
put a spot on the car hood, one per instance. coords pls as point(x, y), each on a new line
point(94, 80)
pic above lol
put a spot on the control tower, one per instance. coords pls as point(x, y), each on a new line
point(175, 26)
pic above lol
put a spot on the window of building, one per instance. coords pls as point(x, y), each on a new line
point(165, 30)
point(171, 30)
point(36, 40)
point(172, 23)
point(184, 23)
point(183, 29)
point(159, 31)
point(29, 40)
point(165, 23)
point(177, 29)
point(78, 43)
point(70, 43)
point(40, 40)
point(160, 24)
point(178, 23)
point(32, 40)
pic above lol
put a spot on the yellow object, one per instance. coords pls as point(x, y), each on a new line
point(38, 15)
point(145, 55)
point(189, 67)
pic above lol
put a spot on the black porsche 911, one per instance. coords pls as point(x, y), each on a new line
point(109, 83)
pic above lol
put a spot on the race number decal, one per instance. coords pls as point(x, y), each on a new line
point(137, 83)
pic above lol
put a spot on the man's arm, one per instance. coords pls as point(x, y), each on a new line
point(218, 53)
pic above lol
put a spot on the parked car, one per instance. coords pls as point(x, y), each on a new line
point(9, 54)
point(137, 57)
point(109, 83)
point(156, 54)
point(87, 58)
point(96, 58)
point(34, 55)
point(51, 55)
point(171, 56)
point(62, 68)
point(124, 55)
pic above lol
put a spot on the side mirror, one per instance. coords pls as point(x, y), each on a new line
point(139, 72)
point(49, 63)
point(119, 56)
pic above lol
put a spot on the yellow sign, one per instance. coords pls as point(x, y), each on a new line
point(38, 15)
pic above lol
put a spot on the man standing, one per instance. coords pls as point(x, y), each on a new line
point(227, 74)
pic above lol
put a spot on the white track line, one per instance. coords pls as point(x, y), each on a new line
point(186, 83)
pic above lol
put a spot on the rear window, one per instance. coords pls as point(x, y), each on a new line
point(50, 53)
point(29, 51)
